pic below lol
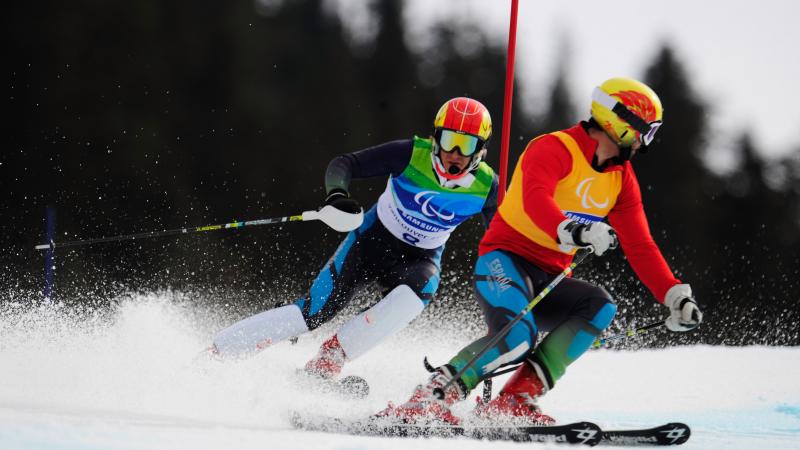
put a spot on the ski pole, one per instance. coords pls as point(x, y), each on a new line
point(630, 332)
point(308, 215)
point(439, 392)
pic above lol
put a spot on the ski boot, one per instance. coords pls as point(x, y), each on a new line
point(329, 361)
point(324, 369)
point(517, 399)
point(423, 407)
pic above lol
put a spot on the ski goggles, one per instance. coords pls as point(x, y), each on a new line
point(449, 140)
point(648, 137)
point(647, 131)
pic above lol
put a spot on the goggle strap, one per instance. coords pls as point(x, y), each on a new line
point(638, 124)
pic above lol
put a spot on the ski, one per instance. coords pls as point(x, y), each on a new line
point(670, 434)
point(586, 433)
point(349, 387)
point(574, 433)
point(352, 386)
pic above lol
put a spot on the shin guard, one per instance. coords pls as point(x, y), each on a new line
point(393, 313)
point(260, 331)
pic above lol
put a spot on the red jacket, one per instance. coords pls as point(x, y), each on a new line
point(549, 184)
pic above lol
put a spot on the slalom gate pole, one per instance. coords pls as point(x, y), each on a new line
point(509, 93)
point(487, 383)
point(439, 392)
point(152, 234)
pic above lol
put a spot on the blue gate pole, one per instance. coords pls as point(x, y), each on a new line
point(50, 257)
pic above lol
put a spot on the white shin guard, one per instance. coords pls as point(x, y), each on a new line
point(260, 331)
point(387, 317)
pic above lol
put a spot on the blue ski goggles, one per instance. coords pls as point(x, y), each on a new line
point(449, 140)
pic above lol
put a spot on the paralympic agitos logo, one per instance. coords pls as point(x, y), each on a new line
point(423, 199)
point(587, 201)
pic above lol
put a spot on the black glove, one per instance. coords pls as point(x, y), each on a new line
point(341, 200)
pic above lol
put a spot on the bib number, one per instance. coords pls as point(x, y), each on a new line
point(410, 239)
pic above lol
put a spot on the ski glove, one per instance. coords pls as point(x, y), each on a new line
point(341, 200)
point(684, 314)
point(339, 212)
point(599, 235)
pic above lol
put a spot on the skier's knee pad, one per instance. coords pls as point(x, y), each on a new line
point(390, 315)
point(260, 331)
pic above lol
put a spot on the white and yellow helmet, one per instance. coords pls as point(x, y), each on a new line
point(627, 109)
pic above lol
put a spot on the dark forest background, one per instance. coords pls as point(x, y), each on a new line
point(146, 115)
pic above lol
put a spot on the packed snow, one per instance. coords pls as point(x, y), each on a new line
point(133, 377)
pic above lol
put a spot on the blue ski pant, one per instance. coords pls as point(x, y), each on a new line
point(367, 255)
point(573, 314)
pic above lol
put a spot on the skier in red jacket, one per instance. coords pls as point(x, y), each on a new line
point(564, 186)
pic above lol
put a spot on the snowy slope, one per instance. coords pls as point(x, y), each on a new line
point(129, 380)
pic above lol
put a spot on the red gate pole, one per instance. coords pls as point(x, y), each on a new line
point(509, 91)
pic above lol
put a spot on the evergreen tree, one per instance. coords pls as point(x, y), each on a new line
point(560, 111)
point(138, 116)
point(676, 187)
point(752, 237)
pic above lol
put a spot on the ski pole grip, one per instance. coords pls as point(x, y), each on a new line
point(310, 215)
point(438, 393)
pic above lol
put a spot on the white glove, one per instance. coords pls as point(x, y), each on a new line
point(339, 212)
point(599, 235)
point(684, 314)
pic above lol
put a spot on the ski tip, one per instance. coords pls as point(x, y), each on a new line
point(355, 386)
point(673, 433)
point(351, 387)
point(296, 419)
